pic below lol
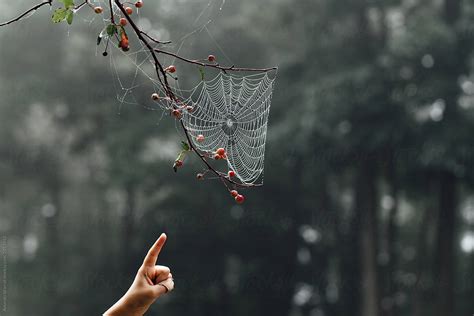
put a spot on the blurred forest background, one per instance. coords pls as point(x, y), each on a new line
point(368, 202)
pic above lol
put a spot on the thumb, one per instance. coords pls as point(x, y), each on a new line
point(164, 286)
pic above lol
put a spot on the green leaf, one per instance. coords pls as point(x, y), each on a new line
point(122, 32)
point(111, 29)
point(67, 3)
point(70, 17)
point(62, 14)
point(201, 71)
point(185, 146)
point(59, 15)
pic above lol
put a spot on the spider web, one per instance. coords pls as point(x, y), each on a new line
point(232, 112)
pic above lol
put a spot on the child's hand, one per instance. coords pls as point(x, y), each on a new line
point(151, 282)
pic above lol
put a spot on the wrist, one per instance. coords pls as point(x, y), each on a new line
point(127, 306)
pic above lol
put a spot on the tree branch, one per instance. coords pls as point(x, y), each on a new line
point(112, 19)
point(217, 66)
point(83, 4)
point(169, 92)
point(154, 39)
point(27, 12)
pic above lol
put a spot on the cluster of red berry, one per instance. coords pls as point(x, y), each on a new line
point(123, 41)
point(239, 198)
point(178, 111)
point(138, 4)
point(221, 153)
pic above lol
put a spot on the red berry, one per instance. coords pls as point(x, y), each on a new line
point(129, 10)
point(211, 58)
point(171, 69)
point(178, 163)
point(190, 109)
point(234, 193)
point(155, 96)
point(231, 173)
point(176, 113)
point(240, 199)
point(200, 138)
point(139, 4)
point(224, 156)
point(123, 21)
point(98, 10)
point(220, 151)
point(124, 45)
point(217, 157)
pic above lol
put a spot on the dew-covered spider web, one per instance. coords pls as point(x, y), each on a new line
point(231, 112)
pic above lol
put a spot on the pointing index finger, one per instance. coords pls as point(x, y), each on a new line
point(152, 255)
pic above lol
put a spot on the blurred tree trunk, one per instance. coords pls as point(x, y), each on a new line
point(423, 255)
point(418, 290)
point(323, 219)
point(452, 10)
point(365, 191)
point(445, 253)
point(291, 266)
point(365, 204)
point(445, 244)
point(350, 267)
point(391, 236)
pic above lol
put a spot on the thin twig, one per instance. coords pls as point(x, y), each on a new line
point(82, 4)
point(112, 19)
point(154, 39)
point(27, 12)
point(217, 66)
